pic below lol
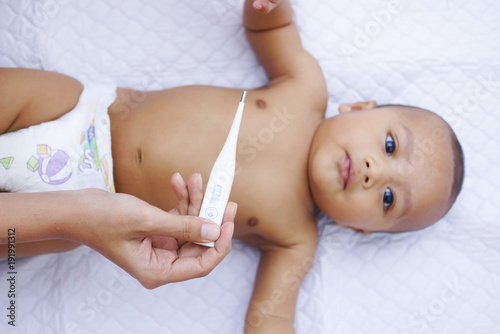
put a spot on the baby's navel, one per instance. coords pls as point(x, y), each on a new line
point(138, 157)
point(252, 221)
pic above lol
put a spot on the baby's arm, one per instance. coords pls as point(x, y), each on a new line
point(281, 271)
point(276, 43)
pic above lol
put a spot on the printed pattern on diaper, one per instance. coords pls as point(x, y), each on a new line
point(107, 171)
point(53, 166)
point(89, 155)
point(7, 162)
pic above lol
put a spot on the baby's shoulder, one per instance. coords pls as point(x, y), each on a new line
point(304, 94)
point(294, 226)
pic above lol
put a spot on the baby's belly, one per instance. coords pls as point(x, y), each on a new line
point(157, 134)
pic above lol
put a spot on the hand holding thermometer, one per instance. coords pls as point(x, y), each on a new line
point(222, 175)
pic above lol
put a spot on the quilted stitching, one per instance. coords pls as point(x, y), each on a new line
point(434, 54)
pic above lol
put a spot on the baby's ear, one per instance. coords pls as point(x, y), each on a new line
point(354, 229)
point(358, 230)
point(357, 106)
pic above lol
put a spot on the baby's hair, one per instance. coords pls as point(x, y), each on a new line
point(458, 154)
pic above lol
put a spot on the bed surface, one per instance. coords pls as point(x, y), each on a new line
point(436, 54)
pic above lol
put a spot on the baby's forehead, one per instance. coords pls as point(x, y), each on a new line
point(429, 202)
point(424, 122)
point(429, 176)
point(413, 113)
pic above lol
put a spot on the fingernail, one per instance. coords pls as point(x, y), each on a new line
point(200, 182)
point(210, 231)
point(181, 181)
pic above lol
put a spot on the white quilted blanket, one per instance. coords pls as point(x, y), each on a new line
point(437, 54)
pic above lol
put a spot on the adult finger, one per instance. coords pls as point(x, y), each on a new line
point(189, 267)
point(230, 213)
point(195, 186)
point(229, 216)
point(224, 243)
point(187, 228)
point(180, 190)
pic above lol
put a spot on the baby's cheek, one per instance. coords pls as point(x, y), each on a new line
point(355, 210)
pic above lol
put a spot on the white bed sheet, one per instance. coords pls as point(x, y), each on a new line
point(437, 54)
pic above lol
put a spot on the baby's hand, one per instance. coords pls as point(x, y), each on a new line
point(265, 6)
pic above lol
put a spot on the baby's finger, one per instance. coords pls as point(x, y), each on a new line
point(264, 6)
point(181, 192)
point(195, 185)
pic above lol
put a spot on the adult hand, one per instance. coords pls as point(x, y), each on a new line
point(154, 246)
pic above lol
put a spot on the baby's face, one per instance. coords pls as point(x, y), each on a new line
point(382, 169)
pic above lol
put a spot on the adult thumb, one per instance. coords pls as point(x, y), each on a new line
point(191, 228)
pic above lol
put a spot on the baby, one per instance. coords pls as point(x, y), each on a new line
point(388, 168)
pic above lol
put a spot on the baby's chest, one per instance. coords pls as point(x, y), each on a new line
point(271, 206)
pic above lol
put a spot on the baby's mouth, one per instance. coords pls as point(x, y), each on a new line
point(347, 170)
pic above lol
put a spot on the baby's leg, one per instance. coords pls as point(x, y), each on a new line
point(29, 97)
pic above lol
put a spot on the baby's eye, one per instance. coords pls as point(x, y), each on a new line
point(388, 199)
point(390, 146)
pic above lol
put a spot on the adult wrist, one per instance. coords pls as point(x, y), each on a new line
point(79, 214)
point(46, 215)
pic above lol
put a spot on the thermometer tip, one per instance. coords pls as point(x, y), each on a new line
point(243, 96)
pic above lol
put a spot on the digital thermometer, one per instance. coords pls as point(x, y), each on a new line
point(222, 175)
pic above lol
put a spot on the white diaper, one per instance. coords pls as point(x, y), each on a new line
point(72, 152)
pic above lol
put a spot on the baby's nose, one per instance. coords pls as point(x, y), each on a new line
point(373, 173)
